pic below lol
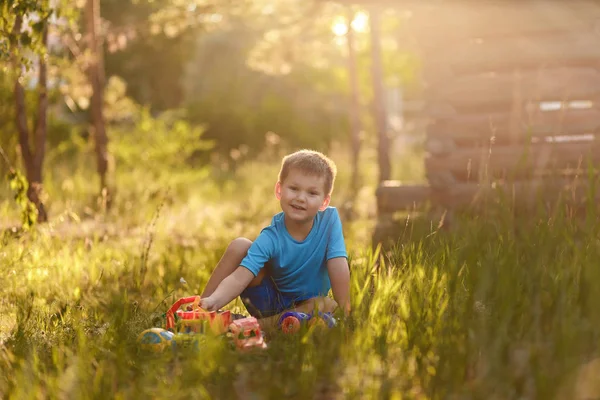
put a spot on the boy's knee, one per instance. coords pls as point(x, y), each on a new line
point(240, 245)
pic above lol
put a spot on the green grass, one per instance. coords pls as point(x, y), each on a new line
point(499, 307)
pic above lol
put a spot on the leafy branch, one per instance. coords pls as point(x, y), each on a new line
point(19, 185)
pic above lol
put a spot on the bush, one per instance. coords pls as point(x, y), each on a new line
point(156, 144)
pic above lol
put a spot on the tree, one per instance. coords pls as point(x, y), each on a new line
point(96, 78)
point(149, 43)
point(21, 41)
point(241, 105)
point(378, 96)
point(354, 109)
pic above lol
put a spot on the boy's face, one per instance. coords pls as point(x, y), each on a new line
point(301, 195)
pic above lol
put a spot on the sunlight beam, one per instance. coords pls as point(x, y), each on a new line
point(360, 23)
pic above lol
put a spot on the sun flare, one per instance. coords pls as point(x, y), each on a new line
point(360, 23)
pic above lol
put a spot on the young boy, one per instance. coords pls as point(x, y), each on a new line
point(295, 260)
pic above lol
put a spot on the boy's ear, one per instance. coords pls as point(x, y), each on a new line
point(278, 190)
point(325, 202)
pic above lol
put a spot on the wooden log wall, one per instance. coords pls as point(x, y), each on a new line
point(513, 96)
point(513, 102)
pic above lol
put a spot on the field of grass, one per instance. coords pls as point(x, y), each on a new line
point(499, 307)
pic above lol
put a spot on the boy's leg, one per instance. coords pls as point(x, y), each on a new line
point(263, 299)
point(229, 262)
point(323, 304)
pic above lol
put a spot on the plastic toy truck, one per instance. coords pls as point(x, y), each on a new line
point(246, 334)
point(193, 319)
point(186, 323)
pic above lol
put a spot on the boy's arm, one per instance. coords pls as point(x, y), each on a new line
point(339, 275)
point(228, 289)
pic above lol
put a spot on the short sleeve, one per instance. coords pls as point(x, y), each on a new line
point(336, 246)
point(259, 252)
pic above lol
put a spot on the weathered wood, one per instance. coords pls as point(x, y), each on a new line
point(383, 228)
point(534, 160)
point(525, 193)
point(502, 89)
point(438, 23)
point(443, 179)
point(393, 196)
point(438, 145)
point(571, 48)
point(528, 123)
point(550, 50)
point(488, 67)
point(522, 193)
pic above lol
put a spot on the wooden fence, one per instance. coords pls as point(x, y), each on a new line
point(513, 99)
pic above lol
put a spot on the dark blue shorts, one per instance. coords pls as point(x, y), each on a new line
point(265, 300)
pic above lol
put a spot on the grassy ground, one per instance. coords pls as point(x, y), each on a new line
point(499, 307)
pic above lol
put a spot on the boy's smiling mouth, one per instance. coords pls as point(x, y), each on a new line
point(296, 207)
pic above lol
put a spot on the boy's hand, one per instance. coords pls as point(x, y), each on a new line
point(228, 289)
point(208, 304)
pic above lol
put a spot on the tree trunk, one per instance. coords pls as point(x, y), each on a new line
point(35, 180)
point(33, 160)
point(355, 124)
point(378, 101)
point(96, 77)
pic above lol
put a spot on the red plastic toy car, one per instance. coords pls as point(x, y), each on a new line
point(247, 334)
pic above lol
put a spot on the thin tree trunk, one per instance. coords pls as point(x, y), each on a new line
point(378, 101)
point(21, 112)
point(35, 180)
point(96, 77)
point(355, 124)
point(33, 160)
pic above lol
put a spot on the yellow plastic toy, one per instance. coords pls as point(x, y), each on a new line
point(155, 340)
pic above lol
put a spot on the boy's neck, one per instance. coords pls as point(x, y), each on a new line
point(298, 231)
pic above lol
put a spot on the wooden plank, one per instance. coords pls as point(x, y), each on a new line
point(522, 193)
point(503, 125)
point(554, 49)
point(394, 196)
point(439, 145)
point(443, 179)
point(536, 160)
point(461, 195)
point(438, 23)
point(504, 89)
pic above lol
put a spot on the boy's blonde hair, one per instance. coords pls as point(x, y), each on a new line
point(312, 163)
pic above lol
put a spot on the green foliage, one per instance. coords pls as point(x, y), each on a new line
point(163, 143)
point(240, 106)
point(36, 13)
point(61, 125)
point(19, 185)
point(151, 33)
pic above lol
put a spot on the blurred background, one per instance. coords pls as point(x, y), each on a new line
point(148, 96)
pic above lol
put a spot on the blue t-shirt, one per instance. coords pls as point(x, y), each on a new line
point(298, 268)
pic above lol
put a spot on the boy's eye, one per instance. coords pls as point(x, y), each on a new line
point(313, 193)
